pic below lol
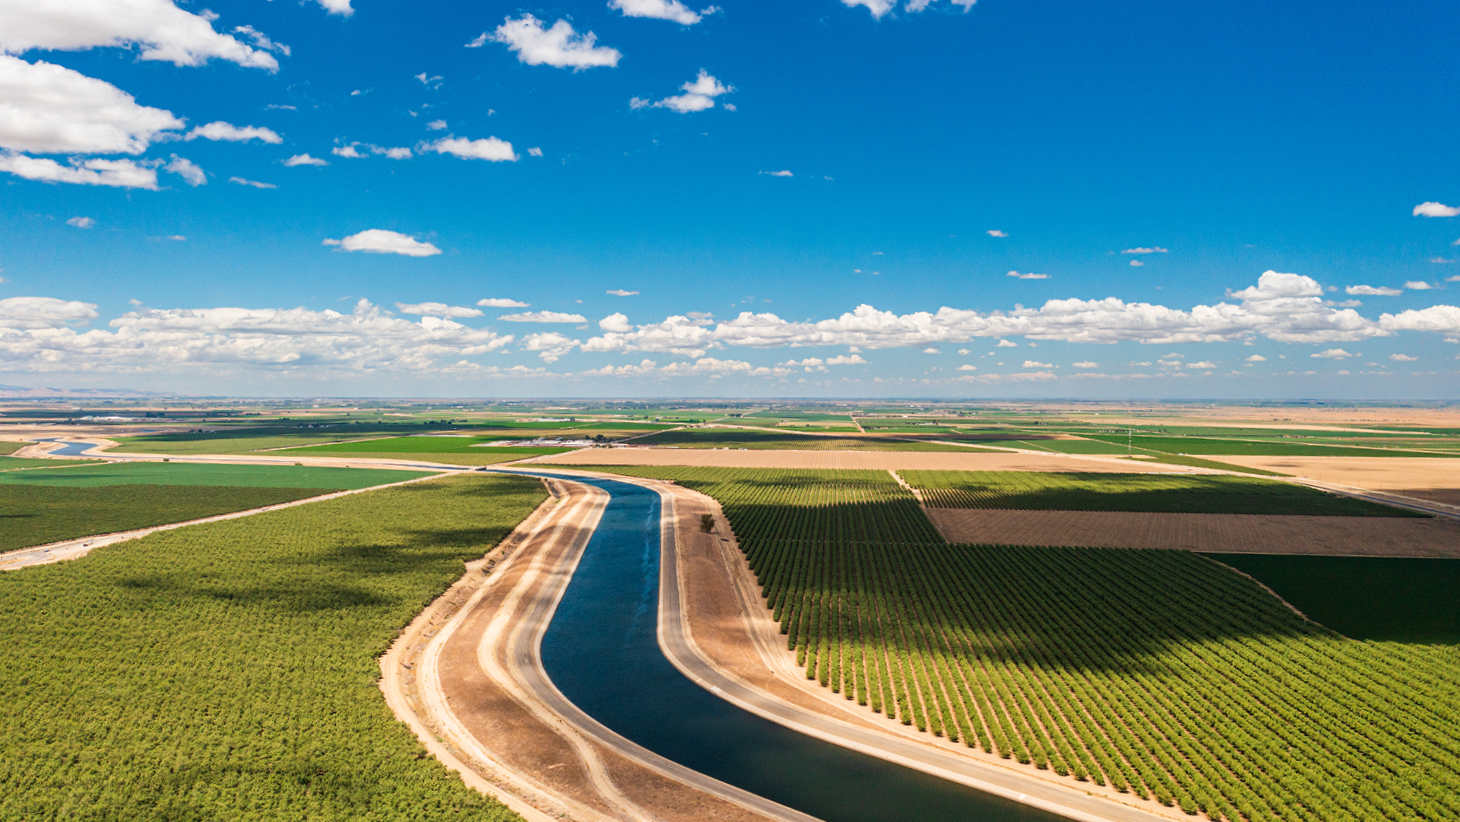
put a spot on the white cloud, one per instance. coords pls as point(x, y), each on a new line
point(437, 310)
point(399, 153)
point(43, 312)
point(1372, 291)
point(1433, 209)
point(349, 151)
point(550, 346)
point(1256, 358)
point(1441, 260)
point(478, 41)
point(699, 94)
point(1085, 364)
point(675, 335)
point(1136, 263)
point(1007, 344)
point(234, 134)
point(489, 148)
point(854, 359)
point(967, 368)
point(1418, 285)
point(994, 232)
point(617, 323)
point(543, 317)
point(1027, 276)
point(48, 109)
point(164, 31)
point(1443, 319)
point(877, 7)
point(931, 351)
point(81, 222)
point(380, 241)
point(1202, 364)
point(252, 183)
point(501, 302)
point(436, 125)
point(559, 46)
point(337, 7)
point(1402, 358)
point(113, 173)
point(619, 292)
point(305, 160)
point(1034, 364)
point(1333, 354)
point(430, 82)
point(534, 152)
point(661, 10)
point(261, 40)
point(191, 173)
point(1146, 250)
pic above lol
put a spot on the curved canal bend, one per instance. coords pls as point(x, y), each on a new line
point(601, 650)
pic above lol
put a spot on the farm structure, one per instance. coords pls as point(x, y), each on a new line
point(1160, 673)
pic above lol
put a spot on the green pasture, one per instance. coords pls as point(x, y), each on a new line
point(188, 474)
point(246, 440)
point(14, 463)
point(1391, 599)
point(1163, 493)
point(1235, 447)
point(228, 671)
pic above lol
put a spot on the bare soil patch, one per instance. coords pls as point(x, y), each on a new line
point(1211, 533)
point(873, 460)
point(1432, 479)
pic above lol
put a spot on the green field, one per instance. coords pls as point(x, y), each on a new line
point(190, 474)
point(1072, 446)
point(15, 463)
point(1379, 598)
point(1252, 448)
point(228, 671)
point(425, 446)
point(1164, 493)
point(772, 440)
point(246, 440)
point(1159, 673)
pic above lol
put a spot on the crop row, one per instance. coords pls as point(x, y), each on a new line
point(1158, 673)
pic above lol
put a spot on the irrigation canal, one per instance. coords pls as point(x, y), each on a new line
point(70, 449)
point(602, 651)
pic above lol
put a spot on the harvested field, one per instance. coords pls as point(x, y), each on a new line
point(1210, 533)
point(1431, 479)
point(874, 460)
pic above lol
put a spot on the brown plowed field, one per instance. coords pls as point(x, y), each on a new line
point(875, 460)
point(1216, 533)
point(1435, 479)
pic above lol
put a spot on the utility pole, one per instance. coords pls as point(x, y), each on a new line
point(1127, 442)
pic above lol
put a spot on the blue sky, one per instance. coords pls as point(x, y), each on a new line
point(806, 198)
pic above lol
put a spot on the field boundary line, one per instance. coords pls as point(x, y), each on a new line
point(81, 546)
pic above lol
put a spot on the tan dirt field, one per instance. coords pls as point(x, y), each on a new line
point(875, 460)
point(1436, 479)
point(1216, 533)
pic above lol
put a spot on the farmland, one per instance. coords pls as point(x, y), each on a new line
point(1209, 446)
point(1158, 673)
point(49, 505)
point(772, 440)
point(228, 671)
point(454, 450)
point(1177, 494)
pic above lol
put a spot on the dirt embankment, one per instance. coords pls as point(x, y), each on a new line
point(1216, 533)
point(874, 460)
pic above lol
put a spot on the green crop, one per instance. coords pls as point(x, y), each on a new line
point(182, 473)
point(774, 440)
point(228, 671)
point(1165, 493)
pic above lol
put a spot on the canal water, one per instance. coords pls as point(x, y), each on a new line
point(70, 449)
point(601, 650)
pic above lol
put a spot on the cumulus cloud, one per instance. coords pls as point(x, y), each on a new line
point(877, 7)
point(1007, 344)
point(48, 109)
point(380, 241)
point(113, 173)
point(305, 160)
point(1333, 354)
point(781, 173)
point(534, 152)
point(559, 46)
point(164, 31)
point(550, 346)
point(348, 151)
point(436, 125)
point(617, 323)
point(489, 148)
point(1433, 209)
point(661, 10)
point(619, 292)
point(996, 233)
point(967, 368)
point(1256, 358)
point(699, 94)
point(341, 7)
point(1419, 285)
point(1442, 319)
point(191, 173)
point(675, 335)
point(1027, 276)
point(501, 302)
point(242, 181)
point(1146, 250)
point(1085, 364)
point(437, 310)
point(1372, 291)
point(38, 339)
point(1136, 263)
point(1035, 364)
point(234, 134)
point(1402, 358)
point(543, 317)
point(81, 222)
